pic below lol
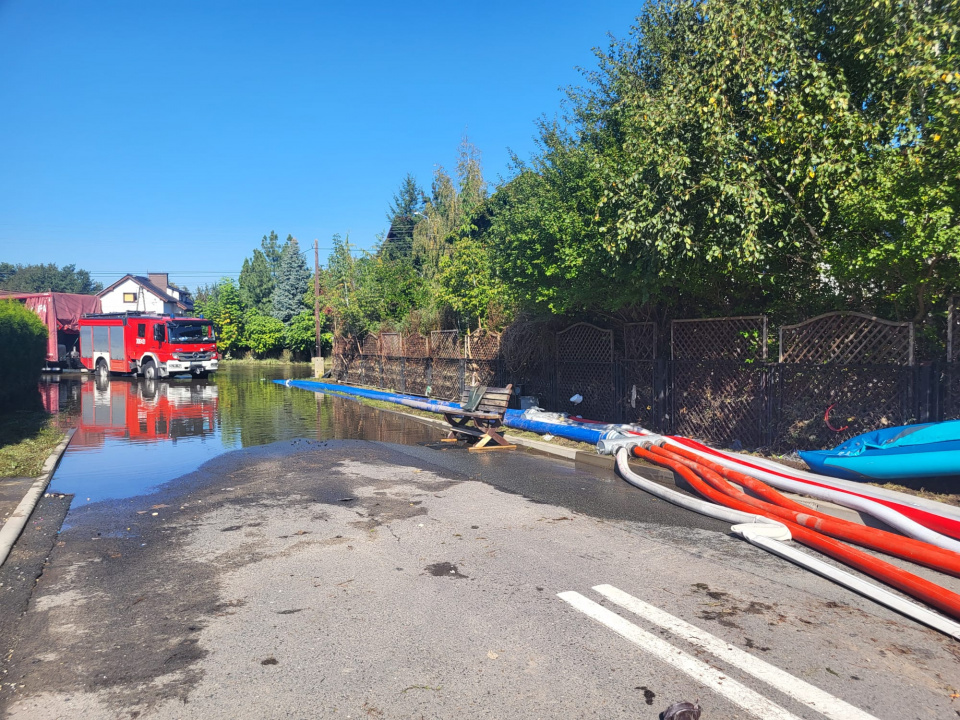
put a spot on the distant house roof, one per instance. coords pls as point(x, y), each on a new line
point(149, 287)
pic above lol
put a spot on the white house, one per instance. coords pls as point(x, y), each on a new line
point(152, 294)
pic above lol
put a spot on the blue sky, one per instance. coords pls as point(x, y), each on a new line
point(171, 136)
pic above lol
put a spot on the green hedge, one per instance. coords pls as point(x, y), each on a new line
point(23, 349)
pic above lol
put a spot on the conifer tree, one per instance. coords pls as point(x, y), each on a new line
point(257, 282)
point(293, 280)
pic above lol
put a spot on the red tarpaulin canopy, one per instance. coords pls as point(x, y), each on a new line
point(59, 311)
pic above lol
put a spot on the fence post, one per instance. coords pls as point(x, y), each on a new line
point(428, 377)
point(662, 396)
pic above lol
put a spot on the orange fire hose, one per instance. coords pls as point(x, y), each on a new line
point(917, 587)
point(784, 508)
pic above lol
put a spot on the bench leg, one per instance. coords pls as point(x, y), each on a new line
point(499, 443)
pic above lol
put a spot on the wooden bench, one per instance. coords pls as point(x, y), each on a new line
point(484, 421)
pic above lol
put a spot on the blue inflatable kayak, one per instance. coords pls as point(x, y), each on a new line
point(927, 450)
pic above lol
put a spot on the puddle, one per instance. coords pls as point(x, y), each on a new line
point(133, 435)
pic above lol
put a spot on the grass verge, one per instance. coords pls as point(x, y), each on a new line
point(26, 440)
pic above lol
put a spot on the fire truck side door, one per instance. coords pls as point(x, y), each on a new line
point(159, 332)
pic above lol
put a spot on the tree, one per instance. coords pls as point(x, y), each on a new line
point(449, 206)
point(257, 282)
point(301, 335)
point(788, 157)
point(47, 278)
point(293, 278)
point(466, 281)
point(404, 213)
point(272, 250)
point(263, 334)
point(222, 305)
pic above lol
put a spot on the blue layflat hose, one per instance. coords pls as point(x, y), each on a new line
point(512, 418)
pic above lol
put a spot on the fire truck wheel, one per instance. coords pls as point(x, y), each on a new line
point(149, 370)
point(102, 370)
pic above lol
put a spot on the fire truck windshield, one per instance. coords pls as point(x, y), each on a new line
point(190, 332)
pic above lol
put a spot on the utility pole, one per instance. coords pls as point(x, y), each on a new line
point(316, 291)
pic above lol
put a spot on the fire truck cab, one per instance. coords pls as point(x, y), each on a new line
point(147, 344)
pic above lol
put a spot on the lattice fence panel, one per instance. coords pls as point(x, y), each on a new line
point(637, 397)
point(722, 402)
point(859, 399)
point(733, 338)
point(415, 375)
point(391, 344)
point(528, 350)
point(585, 342)
point(640, 341)
point(445, 344)
point(416, 346)
point(370, 345)
point(586, 367)
point(953, 330)
point(446, 380)
point(482, 345)
point(847, 338)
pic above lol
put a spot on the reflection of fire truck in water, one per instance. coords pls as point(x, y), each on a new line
point(147, 344)
point(145, 411)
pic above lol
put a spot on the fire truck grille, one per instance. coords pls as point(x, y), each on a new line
point(205, 355)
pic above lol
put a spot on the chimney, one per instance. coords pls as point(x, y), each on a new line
point(160, 280)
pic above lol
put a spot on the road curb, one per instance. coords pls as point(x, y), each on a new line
point(18, 519)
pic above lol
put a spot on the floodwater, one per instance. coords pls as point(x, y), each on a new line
point(133, 435)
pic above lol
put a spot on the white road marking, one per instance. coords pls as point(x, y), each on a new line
point(737, 693)
point(804, 692)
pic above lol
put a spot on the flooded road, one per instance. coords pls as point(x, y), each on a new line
point(238, 549)
point(133, 435)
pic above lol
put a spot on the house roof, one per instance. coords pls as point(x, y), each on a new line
point(149, 287)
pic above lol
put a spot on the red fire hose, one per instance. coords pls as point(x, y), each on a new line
point(922, 589)
point(784, 508)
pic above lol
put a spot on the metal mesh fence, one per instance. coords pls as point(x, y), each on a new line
point(730, 396)
point(823, 405)
point(484, 372)
point(446, 381)
point(415, 375)
point(392, 373)
point(950, 380)
point(722, 402)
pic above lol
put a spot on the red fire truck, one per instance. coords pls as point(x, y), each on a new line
point(147, 344)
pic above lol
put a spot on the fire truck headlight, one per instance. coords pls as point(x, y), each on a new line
point(175, 356)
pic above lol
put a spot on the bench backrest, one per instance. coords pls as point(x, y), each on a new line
point(494, 400)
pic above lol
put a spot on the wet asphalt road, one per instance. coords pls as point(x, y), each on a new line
point(363, 579)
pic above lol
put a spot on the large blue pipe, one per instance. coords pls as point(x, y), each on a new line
point(512, 418)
